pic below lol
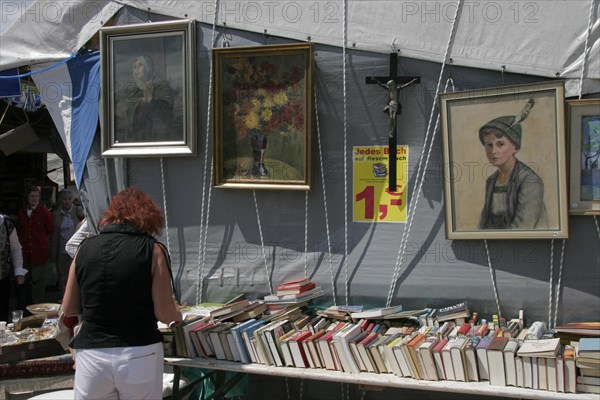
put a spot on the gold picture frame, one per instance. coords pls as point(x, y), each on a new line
point(505, 162)
point(148, 89)
point(262, 118)
point(584, 150)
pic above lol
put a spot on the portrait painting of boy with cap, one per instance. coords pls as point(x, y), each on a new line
point(515, 187)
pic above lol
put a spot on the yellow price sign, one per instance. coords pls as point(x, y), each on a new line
point(373, 201)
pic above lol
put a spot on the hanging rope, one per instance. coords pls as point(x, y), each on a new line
point(344, 10)
point(39, 71)
point(324, 197)
point(164, 195)
point(597, 226)
point(586, 48)
point(287, 388)
point(262, 243)
point(550, 285)
point(420, 175)
point(557, 290)
point(306, 233)
point(205, 181)
point(494, 285)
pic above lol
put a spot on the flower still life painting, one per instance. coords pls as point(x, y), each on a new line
point(262, 118)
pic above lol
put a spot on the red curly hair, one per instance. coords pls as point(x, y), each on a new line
point(137, 208)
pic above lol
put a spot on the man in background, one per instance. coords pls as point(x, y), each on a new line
point(35, 224)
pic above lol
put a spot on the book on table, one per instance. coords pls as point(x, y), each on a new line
point(365, 356)
point(471, 359)
point(552, 374)
point(293, 283)
point(297, 350)
point(390, 359)
point(570, 369)
point(495, 356)
point(239, 341)
point(376, 312)
point(425, 352)
point(229, 308)
point(589, 348)
point(519, 371)
point(580, 328)
point(459, 310)
point(296, 290)
point(284, 348)
point(447, 361)
point(585, 388)
point(437, 356)
point(341, 342)
point(510, 365)
point(539, 348)
point(457, 353)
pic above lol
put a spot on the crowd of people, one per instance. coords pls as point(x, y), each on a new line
point(33, 249)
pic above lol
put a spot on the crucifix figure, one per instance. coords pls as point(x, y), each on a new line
point(393, 108)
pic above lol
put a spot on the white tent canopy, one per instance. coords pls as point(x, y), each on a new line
point(544, 38)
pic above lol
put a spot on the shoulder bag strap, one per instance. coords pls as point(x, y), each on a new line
point(168, 258)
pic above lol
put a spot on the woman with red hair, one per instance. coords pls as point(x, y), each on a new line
point(120, 282)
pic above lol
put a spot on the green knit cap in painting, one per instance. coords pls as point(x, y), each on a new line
point(505, 125)
point(509, 125)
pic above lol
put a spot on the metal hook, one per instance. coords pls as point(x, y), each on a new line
point(503, 68)
point(265, 36)
point(393, 45)
point(148, 15)
point(225, 41)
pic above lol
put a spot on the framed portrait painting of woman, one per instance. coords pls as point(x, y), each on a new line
point(148, 89)
point(505, 162)
point(262, 119)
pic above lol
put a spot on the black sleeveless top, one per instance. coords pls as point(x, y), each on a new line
point(114, 272)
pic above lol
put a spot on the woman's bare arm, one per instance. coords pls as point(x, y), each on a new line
point(71, 304)
point(165, 309)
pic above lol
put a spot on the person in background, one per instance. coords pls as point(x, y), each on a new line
point(35, 224)
point(120, 282)
point(10, 255)
point(83, 232)
point(66, 218)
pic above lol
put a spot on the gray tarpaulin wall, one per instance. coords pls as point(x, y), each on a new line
point(435, 271)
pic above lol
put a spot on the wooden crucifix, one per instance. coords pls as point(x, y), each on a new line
point(393, 84)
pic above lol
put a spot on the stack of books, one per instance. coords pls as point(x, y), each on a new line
point(353, 340)
point(294, 291)
point(588, 362)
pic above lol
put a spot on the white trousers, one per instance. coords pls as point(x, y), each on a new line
point(119, 373)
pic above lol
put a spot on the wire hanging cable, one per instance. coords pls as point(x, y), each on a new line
point(262, 242)
point(550, 284)
point(420, 175)
point(344, 10)
point(324, 197)
point(164, 194)
point(306, 233)
point(494, 285)
point(208, 161)
point(557, 290)
point(586, 48)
